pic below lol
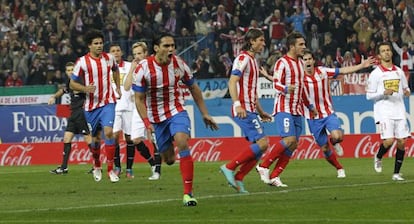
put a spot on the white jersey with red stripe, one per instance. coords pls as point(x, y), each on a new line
point(390, 106)
point(97, 72)
point(161, 83)
point(125, 103)
point(318, 92)
point(288, 72)
point(246, 67)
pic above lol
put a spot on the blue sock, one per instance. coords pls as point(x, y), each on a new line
point(327, 153)
point(184, 153)
point(256, 150)
point(288, 153)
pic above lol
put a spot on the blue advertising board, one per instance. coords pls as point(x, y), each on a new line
point(40, 124)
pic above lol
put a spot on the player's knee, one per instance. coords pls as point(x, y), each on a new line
point(263, 143)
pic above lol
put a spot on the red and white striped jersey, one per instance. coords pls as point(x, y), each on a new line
point(318, 92)
point(245, 66)
point(97, 72)
point(161, 83)
point(288, 72)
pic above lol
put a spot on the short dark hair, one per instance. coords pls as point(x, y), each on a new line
point(308, 51)
point(292, 37)
point(382, 44)
point(92, 34)
point(114, 45)
point(157, 38)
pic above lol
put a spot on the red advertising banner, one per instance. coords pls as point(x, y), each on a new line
point(349, 84)
point(202, 149)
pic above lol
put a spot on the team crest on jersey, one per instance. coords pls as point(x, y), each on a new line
point(277, 75)
point(177, 72)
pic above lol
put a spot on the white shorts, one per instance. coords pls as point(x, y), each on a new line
point(390, 128)
point(122, 122)
point(138, 129)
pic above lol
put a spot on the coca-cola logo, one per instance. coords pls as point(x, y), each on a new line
point(366, 147)
point(307, 149)
point(16, 155)
point(82, 155)
point(206, 150)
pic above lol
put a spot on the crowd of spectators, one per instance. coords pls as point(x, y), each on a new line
point(38, 37)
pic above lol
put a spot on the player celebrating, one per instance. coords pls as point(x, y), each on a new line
point(288, 78)
point(317, 91)
point(246, 108)
point(157, 88)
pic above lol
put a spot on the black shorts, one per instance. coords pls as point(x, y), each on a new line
point(77, 123)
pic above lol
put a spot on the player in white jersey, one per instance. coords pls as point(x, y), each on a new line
point(138, 131)
point(387, 86)
point(317, 91)
point(124, 119)
point(123, 114)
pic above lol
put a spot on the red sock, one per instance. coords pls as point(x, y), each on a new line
point(187, 173)
point(280, 165)
point(332, 159)
point(242, 157)
point(245, 169)
point(271, 156)
point(96, 153)
point(110, 154)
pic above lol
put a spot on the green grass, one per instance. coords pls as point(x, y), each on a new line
point(315, 195)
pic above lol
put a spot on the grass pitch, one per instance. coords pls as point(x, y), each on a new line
point(33, 195)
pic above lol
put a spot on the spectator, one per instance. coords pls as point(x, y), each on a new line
point(406, 57)
point(276, 27)
point(329, 46)
point(298, 18)
point(237, 40)
point(364, 28)
point(347, 60)
point(171, 23)
point(37, 74)
point(13, 80)
point(58, 79)
point(314, 39)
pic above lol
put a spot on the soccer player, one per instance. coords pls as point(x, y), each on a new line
point(317, 91)
point(138, 131)
point(387, 86)
point(156, 85)
point(92, 75)
point(123, 114)
point(76, 122)
point(288, 75)
point(246, 109)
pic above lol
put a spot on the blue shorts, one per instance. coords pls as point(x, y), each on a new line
point(288, 124)
point(319, 128)
point(251, 126)
point(165, 131)
point(100, 117)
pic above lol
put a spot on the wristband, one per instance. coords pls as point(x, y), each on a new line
point(236, 103)
point(146, 122)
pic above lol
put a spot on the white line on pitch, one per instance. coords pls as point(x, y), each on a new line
point(285, 190)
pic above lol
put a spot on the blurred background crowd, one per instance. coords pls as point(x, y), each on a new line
point(38, 37)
